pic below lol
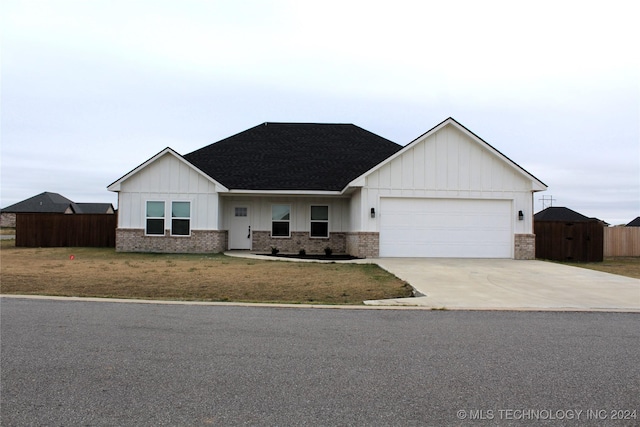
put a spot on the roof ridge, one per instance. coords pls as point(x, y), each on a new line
point(308, 123)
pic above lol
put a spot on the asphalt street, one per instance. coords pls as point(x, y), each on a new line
point(118, 364)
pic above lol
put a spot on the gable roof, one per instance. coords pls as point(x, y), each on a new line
point(537, 184)
point(293, 156)
point(55, 203)
point(634, 223)
point(42, 203)
point(115, 186)
point(560, 214)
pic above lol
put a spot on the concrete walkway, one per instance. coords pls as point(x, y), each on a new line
point(504, 284)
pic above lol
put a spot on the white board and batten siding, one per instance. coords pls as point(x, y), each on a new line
point(447, 195)
point(168, 179)
point(260, 211)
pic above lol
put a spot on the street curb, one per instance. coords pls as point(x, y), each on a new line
point(215, 303)
point(320, 306)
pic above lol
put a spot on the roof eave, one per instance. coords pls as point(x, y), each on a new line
point(286, 192)
point(538, 186)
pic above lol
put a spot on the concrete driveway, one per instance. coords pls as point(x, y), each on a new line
point(510, 284)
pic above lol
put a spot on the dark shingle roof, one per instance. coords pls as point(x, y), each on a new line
point(55, 203)
point(634, 223)
point(559, 214)
point(293, 156)
point(42, 203)
point(92, 208)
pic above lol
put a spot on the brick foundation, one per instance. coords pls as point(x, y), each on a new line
point(363, 244)
point(525, 246)
point(200, 241)
point(262, 242)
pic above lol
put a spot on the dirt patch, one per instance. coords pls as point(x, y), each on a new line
point(105, 273)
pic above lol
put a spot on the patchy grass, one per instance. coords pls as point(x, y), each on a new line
point(624, 266)
point(100, 272)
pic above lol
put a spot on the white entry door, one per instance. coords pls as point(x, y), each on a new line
point(240, 228)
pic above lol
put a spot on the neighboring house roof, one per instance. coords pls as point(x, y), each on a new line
point(92, 208)
point(560, 214)
point(42, 203)
point(55, 203)
point(293, 156)
point(634, 223)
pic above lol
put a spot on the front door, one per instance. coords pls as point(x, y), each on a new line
point(240, 229)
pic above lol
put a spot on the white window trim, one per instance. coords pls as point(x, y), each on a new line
point(164, 218)
point(274, 220)
point(181, 217)
point(319, 220)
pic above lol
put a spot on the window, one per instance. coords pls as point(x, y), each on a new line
point(155, 218)
point(319, 221)
point(240, 211)
point(180, 218)
point(280, 220)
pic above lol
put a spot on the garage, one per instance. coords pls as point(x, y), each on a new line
point(446, 228)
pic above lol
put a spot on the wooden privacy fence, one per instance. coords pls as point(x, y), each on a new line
point(579, 241)
point(622, 241)
point(65, 230)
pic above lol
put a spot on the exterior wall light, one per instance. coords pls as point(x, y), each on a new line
point(373, 212)
point(520, 215)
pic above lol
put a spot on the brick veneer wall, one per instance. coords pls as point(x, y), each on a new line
point(525, 246)
point(200, 241)
point(363, 244)
point(262, 242)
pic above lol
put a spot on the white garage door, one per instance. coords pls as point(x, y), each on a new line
point(452, 228)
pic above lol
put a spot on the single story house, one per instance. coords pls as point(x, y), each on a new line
point(310, 186)
point(47, 203)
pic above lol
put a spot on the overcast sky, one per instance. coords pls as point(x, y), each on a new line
point(91, 89)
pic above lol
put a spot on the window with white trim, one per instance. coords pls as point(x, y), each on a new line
point(180, 218)
point(155, 218)
point(319, 221)
point(280, 221)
